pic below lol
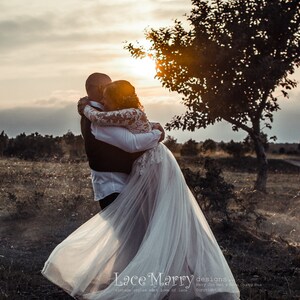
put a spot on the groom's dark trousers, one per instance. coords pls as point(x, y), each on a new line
point(107, 200)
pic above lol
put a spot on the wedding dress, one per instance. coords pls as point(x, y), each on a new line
point(152, 241)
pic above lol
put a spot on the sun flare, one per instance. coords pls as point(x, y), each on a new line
point(144, 67)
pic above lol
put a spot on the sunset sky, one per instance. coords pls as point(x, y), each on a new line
point(48, 48)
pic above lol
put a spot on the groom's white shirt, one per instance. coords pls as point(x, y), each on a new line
point(106, 183)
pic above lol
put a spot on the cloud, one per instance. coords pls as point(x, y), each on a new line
point(45, 120)
point(48, 48)
point(59, 99)
point(49, 102)
point(63, 38)
point(23, 31)
point(96, 22)
point(55, 120)
point(57, 115)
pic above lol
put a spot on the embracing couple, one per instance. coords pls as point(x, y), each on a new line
point(150, 239)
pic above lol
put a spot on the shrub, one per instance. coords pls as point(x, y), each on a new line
point(282, 150)
point(171, 143)
point(212, 192)
point(209, 145)
point(189, 148)
point(235, 149)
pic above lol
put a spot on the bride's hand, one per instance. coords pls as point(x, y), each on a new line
point(160, 128)
point(81, 104)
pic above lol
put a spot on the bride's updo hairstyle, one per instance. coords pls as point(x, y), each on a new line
point(122, 94)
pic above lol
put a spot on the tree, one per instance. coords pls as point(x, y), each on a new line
point(250, 146)
point(3, 142)
point(74, 145)
point(237, 150)
point(281, 150)
point(189, 148)
point(33, 146)
point(228, 63)
point(209, 145)
point(171, 143)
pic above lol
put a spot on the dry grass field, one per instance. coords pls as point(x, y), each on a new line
point(42, 202)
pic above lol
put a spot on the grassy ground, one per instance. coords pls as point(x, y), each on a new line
point(42, 202)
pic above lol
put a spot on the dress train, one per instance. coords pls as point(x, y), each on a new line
point(152, 241)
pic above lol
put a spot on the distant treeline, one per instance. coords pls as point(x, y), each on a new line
point(35, 146)
point(235, 149)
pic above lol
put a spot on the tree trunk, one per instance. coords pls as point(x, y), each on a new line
point(262, 174)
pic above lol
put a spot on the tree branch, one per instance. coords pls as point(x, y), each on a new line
point(262, 104)
point(239, 125)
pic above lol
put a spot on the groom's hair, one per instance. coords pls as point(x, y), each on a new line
point(96, 80)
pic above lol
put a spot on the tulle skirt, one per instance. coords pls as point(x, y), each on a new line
point(152, 242)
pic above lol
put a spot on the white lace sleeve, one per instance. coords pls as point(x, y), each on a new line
point(132, 118)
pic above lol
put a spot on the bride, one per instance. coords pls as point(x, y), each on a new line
point(153, 241)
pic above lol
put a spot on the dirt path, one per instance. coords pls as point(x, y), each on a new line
point(293, 162)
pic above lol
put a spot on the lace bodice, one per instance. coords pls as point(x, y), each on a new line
point(133, 119)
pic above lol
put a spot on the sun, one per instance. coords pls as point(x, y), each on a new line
point(144, 67)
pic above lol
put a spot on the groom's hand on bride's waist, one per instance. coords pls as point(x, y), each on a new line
point(82, 102)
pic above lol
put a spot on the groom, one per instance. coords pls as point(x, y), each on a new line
point(111, 151)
